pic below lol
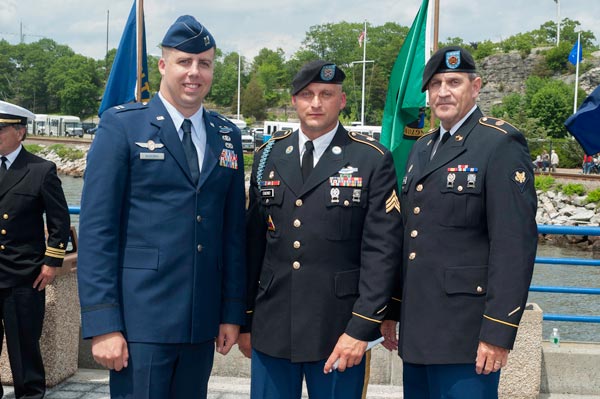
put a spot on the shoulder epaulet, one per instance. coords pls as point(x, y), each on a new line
point(430, 132)
point(368, 140)
point(497, 124)
point(130, 107)
point(278, 135)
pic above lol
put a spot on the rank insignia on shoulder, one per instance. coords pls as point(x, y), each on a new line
point(520, 178)
point(392, 203)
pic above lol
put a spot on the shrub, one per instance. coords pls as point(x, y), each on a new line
point(33, 148)
point(573, 189)
point(544, 183)
point(593, 196)
point(67, 153)
point(248, 161)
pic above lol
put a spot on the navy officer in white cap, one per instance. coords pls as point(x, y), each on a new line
point(161, 257)
point(29, 188)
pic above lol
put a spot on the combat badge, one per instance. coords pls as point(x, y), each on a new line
point(335, 195)
point(450, 180)
point(392, 203)
point(520, 178)
point(471, 179)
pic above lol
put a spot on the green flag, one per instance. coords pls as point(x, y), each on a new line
point(403, 115)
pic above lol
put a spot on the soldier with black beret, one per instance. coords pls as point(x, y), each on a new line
point(161, 266)
point(323, 249)
point(468, 203)
point(29, 190)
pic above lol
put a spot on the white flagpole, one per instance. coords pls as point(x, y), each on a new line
point(238, 87)
point(577, 71)
point(364, 63)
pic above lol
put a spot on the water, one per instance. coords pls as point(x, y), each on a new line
point(555, 275)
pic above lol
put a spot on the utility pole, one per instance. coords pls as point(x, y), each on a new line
point(557, 22)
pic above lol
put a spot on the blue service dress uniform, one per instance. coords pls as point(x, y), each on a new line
point(469, 244)
point(161, 257)
point(29, 189)
point(321, 254)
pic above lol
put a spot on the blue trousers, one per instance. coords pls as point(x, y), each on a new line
point(448, 381)
point(275, 378)
point(164, 371)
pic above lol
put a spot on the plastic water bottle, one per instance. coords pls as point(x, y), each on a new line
point(555, 337)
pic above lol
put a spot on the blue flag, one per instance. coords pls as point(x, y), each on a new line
point(583, 124)
point(573, 59)
point(121, 85)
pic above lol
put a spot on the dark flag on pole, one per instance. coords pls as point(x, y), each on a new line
point(121, 86)
point(584, 125)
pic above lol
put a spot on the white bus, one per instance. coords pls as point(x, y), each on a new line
point(64, 125)
point(38, 125)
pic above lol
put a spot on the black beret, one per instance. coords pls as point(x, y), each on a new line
point(448, 59)
point(188, 35)
point(11, 114)
point(317, 71)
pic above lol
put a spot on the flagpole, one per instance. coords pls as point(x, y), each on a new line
point(140, 35)
point(577, 70)
point(557, 22)
point(436, 24)
point(238, 86)
point(364, 63)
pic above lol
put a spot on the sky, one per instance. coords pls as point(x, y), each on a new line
point(246, 26)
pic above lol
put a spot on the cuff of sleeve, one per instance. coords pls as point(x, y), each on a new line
point(363, 328)
point(54, 262)
point(101, 321)
point(498, 332)
point(393, 310)
point(233, 312)
point(247, 327)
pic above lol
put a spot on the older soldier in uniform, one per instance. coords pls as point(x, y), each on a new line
point(322, 241)
point(161, 251)
point(29, 188)
point(468, 204)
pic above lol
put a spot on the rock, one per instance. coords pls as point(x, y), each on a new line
point(583, 215)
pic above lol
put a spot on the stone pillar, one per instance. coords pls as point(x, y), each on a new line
point(521, 378)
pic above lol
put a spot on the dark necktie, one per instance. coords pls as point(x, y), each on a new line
point(307, 160)
point(439, 145)
point(190, 149)
point(3, 168)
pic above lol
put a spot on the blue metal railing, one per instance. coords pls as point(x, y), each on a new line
point(545, 229)
point(568, 230)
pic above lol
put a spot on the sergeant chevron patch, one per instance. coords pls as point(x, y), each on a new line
point(392, 203)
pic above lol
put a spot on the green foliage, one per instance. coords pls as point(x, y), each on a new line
point(248, 161)
point(552, 105)
point(33, 148)
point(66, 153)
point(557, 58)
point(573, 189)
point(253, 100)
point(593, 196)
point(544, 182)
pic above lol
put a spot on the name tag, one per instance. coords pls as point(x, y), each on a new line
point(152, 156)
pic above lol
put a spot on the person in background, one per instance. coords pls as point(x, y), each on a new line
point(323, 249)
point(161, 265)
point(587, 164)
point(468, 204)
point(553, 160)
point(29, 190)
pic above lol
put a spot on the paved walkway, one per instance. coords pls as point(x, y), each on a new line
point(93, 384)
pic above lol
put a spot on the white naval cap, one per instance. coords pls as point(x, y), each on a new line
point(11, 114)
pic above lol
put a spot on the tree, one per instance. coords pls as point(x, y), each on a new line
point(76, 84)
point(253, 101)
point(225, 80)
point(552, 105)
